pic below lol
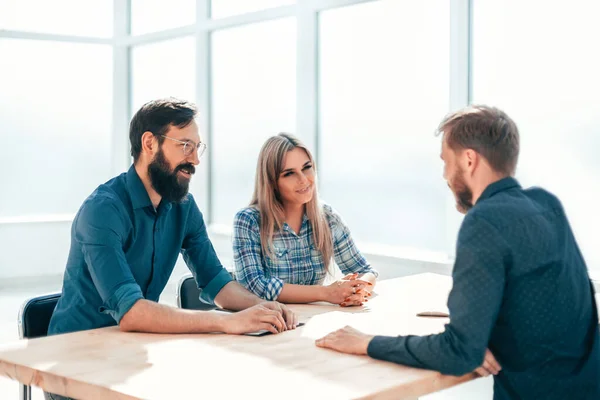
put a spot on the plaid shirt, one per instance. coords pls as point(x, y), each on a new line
point(296, 259)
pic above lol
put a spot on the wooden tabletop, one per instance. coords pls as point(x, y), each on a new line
point(109, 364)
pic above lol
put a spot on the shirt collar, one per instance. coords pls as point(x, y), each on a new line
point(137, 191)
point(499, 186)
point(303, 225)
point(304, 219)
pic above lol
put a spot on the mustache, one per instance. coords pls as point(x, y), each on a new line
point(188, 166)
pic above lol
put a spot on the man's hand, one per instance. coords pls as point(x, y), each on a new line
point(290, 318)
point(490, 365)
point(253, 319)
point(349, 291)
point(346, 340)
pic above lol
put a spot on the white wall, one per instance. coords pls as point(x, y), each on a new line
point(37, 251)
point(33, 249)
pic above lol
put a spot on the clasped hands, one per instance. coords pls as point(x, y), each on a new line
point(349, 291)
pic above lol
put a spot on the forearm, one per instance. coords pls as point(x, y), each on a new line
point(442, 352)
point(235, 297)
point(302, 293)
point(152, 317)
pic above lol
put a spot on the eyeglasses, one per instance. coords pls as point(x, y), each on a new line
point(189, 146)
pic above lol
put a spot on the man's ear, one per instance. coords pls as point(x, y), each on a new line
point(149, 143)
point(471, 160)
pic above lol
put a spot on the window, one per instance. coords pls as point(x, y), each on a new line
point(547, 80)
point(384, 79)
point(56, 116)
point(227, 8)
point(253, 97)
point(163, 69)
point(156, 15)
point(66, 17)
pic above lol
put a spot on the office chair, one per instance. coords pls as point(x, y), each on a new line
point(34, 318)
point(188, 295)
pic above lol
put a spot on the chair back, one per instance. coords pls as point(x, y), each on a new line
point(188, 295)
point(35, 314)
point(34, 319)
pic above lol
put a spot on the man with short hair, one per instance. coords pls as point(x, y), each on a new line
point(127, 236)
point(520, 284)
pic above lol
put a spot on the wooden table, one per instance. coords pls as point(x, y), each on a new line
point(106, 363)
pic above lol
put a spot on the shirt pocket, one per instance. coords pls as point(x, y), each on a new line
point(280, 252)
point(280, 265)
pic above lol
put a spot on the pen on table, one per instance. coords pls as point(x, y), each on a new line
point(434, 314)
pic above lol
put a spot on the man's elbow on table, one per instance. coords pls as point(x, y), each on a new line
point(129, 321)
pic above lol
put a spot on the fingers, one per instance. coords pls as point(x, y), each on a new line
point(327, 341)
point(357, 283)
point(488, 368)
point(350, 277)
point(276, 319)
point(268, 327)
point(281, 316)
point(272, 317)
point(357, 299)
point(490, 365)
point(351, 287)
point(361, 283)
point(322, 342)
point(333, 340)
point(364, 293)
point(495, 367)
point(290, 317)
point(354, 300)
point(284, 326)
point(492, 369)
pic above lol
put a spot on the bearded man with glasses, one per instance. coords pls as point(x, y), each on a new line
point(128, 233)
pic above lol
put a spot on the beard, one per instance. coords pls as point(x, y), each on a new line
point(462, 193)
point(167, 183)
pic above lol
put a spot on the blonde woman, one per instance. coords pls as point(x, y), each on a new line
point(284, 242)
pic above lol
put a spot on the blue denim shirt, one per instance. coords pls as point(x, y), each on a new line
point(521, 288)
point(123, 250)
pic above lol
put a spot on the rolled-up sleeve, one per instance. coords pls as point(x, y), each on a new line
point(201, 258)
point(247, 257)
point(345, 253)
point(100, 229)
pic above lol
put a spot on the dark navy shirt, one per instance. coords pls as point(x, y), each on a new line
point(522, 289)
point(123, 250)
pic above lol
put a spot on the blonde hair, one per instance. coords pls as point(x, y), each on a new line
point(267, 200)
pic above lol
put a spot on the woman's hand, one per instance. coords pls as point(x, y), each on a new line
point(349, 291)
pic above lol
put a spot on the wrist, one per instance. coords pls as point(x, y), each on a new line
point(259, 300)
point(366, 343)
point(323, 293)
point(221, 321)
